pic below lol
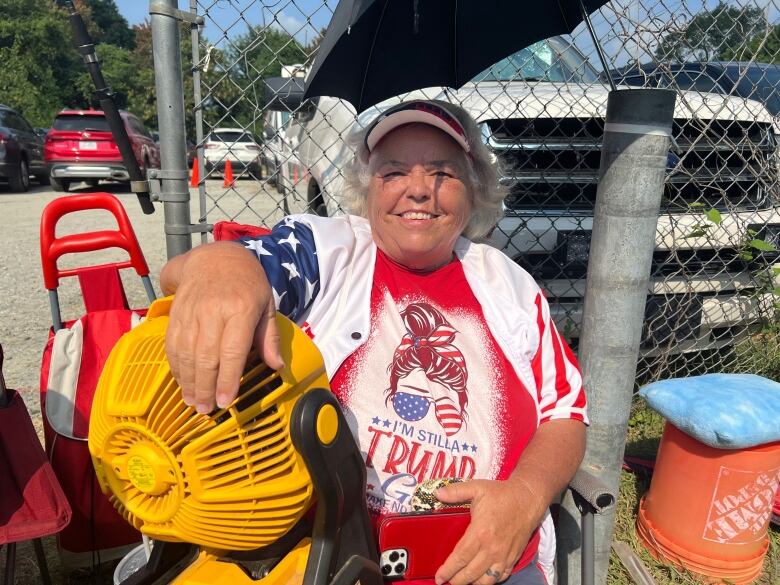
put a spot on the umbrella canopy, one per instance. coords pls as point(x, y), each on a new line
point(375, 49)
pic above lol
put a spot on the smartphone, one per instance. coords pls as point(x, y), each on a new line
point(415, 545)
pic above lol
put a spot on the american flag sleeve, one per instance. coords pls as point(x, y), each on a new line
point(556, 371)
point(289, 258)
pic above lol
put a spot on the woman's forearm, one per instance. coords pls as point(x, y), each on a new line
point(550, 460)
point(212, 257)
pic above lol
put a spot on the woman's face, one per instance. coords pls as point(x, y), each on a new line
point(418, 202)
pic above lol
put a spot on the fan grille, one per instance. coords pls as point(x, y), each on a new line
point(229, 480)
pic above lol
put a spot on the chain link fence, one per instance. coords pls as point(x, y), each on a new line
point(713, 300)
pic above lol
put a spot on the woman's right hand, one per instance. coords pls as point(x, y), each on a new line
point(223, 305)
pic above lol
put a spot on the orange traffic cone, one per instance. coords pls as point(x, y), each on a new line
point(195, 179)
point(229, 180)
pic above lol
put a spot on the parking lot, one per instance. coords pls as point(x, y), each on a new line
point(25, 316)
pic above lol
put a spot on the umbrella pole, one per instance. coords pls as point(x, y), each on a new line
point(599, 51)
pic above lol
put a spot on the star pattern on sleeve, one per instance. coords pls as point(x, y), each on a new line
point(257, 246)
point(291, 241)
point(289, 258)
point(292, 271)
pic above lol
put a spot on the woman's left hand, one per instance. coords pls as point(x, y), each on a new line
point(503, 516)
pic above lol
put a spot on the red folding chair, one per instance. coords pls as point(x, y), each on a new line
point(231, 230)
point(72, 361)
point(32, 504)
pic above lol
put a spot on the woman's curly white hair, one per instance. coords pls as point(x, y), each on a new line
point(482, 179)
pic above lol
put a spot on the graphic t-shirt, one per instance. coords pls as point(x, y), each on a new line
point(430, 394)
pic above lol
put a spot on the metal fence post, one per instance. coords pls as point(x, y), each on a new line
point(174, 190)
point(637, 136)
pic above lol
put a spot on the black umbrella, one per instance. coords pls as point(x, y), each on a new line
point(375, 49)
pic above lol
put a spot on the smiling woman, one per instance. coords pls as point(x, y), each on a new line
point(442, 351)
point(418, 201)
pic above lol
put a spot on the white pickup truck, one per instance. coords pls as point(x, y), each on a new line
point(542, 113)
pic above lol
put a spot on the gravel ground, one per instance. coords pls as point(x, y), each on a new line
point(25, 316)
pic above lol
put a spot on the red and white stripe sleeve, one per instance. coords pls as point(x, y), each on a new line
point(556, 371)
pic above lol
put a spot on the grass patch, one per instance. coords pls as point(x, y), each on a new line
point(644, 433)
point(760, 354)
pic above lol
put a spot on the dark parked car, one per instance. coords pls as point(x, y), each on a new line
point(21, 151)
point(755, 81)
point(80, 147)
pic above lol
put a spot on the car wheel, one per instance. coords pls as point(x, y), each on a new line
point(275, 174)
point(21, 182)
point(316, 202)
point(320, 209)
point(279, 181)
point(59, 184)
point(256, 171)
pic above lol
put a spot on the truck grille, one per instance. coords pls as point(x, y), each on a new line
point(681, 263)
point(554, 163)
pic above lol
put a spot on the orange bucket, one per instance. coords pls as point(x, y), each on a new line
point(708, 510)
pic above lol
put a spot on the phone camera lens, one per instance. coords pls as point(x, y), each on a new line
point(386, 569)
point(394, 556)
point(400, 568)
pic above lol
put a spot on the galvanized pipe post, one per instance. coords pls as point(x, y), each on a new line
point(173, 174)
point(199, 160)
point(637, 136)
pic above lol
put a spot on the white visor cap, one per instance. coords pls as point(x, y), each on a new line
point(419, 112)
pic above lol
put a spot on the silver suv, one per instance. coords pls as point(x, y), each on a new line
point(235, 145)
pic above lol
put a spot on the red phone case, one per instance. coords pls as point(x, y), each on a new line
point(427, 538)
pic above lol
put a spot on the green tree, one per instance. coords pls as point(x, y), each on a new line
point(39, 63)
point(234, 85)
point(764, 47)
point(119, 71)
point(710, 34)
point(114, 29)
point(315, 43)
point(262, 52)
point(142, 100)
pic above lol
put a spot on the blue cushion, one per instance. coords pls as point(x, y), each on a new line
point(726, 411)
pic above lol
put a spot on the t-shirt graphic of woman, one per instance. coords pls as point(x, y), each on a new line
point(427, 349)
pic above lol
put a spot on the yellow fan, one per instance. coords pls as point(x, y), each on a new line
point(238, 479)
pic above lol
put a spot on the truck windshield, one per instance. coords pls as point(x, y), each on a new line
point(553, 59)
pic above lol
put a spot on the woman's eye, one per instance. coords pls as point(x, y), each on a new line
point(447, 174)
point(392, 175)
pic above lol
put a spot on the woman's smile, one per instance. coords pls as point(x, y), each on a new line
point(418, 201)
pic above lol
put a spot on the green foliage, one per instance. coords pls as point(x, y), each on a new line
point(711, 34)
point(262, 52)
point(114, 29)
point(141, 96)
point(761, 245)
point(714, 216)
point(763, 47)
point(760, 353)
point(42, 73)
point(37, 59)
point(236, 82)
point(119, 72)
